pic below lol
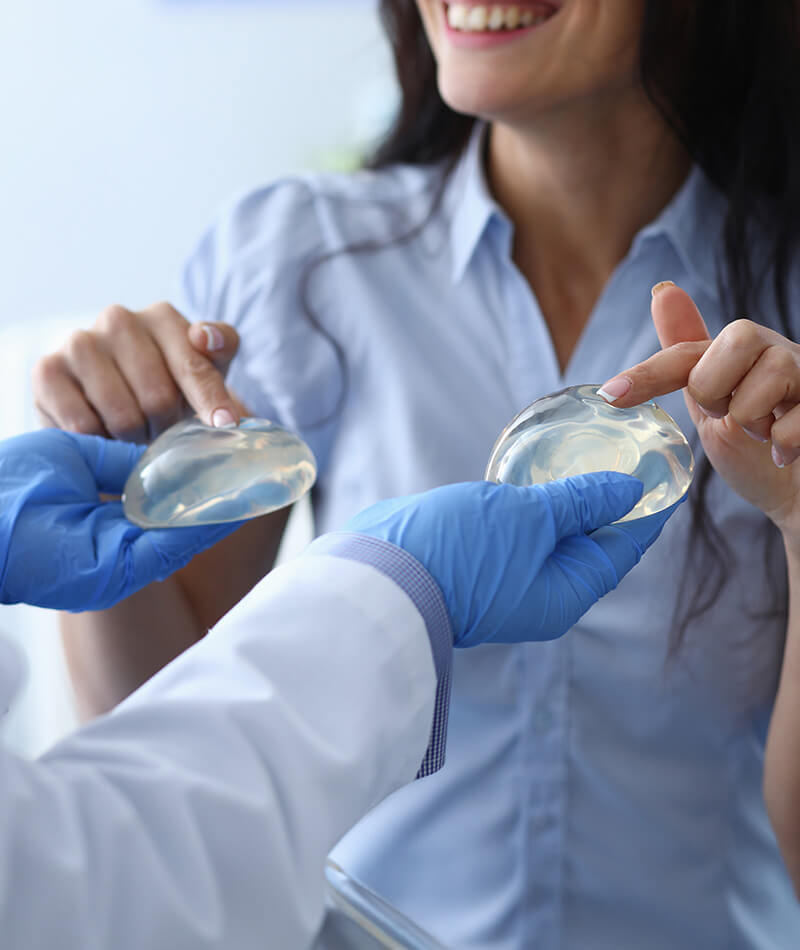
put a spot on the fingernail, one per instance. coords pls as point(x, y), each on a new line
point(222, 419)
point(657, 288)
point(615, 388)
point(214, 338)
point(777, 457)
point(710, 414)
point(755, 436)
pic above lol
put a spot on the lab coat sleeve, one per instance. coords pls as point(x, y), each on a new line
point(199, 813)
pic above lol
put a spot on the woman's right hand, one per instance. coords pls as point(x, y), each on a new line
point(134, 374)
point(742, 391)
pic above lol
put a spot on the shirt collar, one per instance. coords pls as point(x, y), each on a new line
point(692, 221)
point(472, 206)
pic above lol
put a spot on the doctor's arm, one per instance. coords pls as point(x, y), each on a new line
point(199, 813)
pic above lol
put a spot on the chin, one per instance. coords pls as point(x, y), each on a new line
point(470, 94)
point(482, 99)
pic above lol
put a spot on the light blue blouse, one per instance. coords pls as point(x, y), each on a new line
point(599, 791)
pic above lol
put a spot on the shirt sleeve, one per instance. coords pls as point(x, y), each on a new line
point(259, 268)
point(199, 813)
point(406, 571)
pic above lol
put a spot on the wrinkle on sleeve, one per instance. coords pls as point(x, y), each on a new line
point(249, 270)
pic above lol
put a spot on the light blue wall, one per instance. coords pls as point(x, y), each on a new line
point(125, 123)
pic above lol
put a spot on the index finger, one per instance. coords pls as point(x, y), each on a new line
point(664, 372)
point(202, 384)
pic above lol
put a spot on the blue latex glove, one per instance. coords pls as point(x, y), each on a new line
point(519, 564)
point(60, 546)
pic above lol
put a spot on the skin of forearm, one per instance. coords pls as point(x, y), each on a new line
point(110, 653)
point(782, 761)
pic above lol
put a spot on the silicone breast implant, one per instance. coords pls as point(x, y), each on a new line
point(194, 474)
point(575, 431)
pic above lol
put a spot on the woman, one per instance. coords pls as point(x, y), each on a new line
point(604, 791)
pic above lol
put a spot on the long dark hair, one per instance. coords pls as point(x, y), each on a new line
point(726, 77)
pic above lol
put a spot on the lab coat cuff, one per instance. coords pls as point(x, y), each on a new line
point(407, 572)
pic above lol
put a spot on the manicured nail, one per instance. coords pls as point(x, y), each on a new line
point(222, 419)
point(615, 388)
point(710, 414)
point(214, 338)
point(777, 457)
point(657, 288)
point(755, 436)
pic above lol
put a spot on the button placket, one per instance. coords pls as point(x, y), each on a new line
point(534, 366)
point(546, 689)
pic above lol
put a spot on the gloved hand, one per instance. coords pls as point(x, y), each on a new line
point(60, 546)
point(519, 564)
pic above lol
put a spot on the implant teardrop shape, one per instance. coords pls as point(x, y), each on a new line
point(575, 431)
point(196, 474)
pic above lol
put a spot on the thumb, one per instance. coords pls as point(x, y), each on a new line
point(585, 502)
point(218, 341)
point(684, 338)
point(158, 552)
point(675, 316)
point(624, 544)
point(679, 326)
point(109, 461)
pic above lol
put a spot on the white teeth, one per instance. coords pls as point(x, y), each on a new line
point(478, 19)
point(457, 16)
point(497, 19)
point(471, 18)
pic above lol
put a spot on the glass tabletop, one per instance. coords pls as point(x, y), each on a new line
point(358, 919)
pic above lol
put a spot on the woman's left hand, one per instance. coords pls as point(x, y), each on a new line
point(742, 390)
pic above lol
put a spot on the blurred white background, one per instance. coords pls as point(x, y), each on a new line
point(125, 124)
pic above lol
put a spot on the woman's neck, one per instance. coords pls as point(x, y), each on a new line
point(578, 188)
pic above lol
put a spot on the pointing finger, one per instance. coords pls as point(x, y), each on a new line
point(197, 376)
point(218, 341)
point(665, 372)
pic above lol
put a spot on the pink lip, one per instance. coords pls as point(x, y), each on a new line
point(489, 38)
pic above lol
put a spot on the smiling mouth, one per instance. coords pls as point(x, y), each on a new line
point(496, 17)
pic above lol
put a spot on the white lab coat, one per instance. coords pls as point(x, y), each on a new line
point(199, 813)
